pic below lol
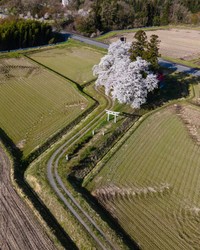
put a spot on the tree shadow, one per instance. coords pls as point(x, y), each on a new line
point(174, 86)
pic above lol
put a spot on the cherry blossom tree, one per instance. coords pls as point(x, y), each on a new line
point(128, 82)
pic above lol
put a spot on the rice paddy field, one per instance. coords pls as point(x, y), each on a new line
point(73, 61)
point(35, 103)
point(151, 184)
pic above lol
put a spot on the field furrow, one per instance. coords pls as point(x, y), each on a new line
point(159, 152)
point(33, 107)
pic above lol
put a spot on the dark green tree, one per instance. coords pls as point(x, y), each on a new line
point(148, 51)
point(152, 52)
point(18, 33)
point(139, 45)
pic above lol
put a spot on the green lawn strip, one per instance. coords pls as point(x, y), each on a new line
point(33, 167)
point(36, 176)
point(84, 150)
point(121, 32)
point(91, 101)
point(67, 44)
point(182, 62)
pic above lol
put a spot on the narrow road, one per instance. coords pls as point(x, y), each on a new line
point(52, 165)
point(18, 227)
point(162, 62)
point(60, 189)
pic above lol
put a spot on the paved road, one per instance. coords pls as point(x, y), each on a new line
point(85, 40)
point(162, 62)
point(179, 67)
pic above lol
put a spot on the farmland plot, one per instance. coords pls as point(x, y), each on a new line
point(18, 227)
point(35, 103)
point(73, 62)
point(176, 43)
point(151, 184)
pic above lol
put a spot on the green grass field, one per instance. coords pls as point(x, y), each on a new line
point(151, 184)
point(35, 103)
point(74, 61)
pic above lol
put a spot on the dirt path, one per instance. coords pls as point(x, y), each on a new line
point(18, 227)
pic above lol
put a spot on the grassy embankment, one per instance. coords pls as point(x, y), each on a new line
point(29, 82)
point(150, 181)
point(36, 174)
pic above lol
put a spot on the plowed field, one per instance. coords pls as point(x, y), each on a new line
point(151, 184)
point(18, 227)
point(175, 43)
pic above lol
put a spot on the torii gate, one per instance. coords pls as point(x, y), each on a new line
point(110, 112)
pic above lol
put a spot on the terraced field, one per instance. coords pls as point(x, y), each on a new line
point(152, 183)
point(35, 103)
point(71, 62)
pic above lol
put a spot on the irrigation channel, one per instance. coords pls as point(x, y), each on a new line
point(65, 195)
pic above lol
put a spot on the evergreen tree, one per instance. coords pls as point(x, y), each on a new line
point(138, 46)
point(148, 51)
point(18, 33)
point(152, 52)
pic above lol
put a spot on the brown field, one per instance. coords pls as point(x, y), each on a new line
point(18, 227)
point(175, 43)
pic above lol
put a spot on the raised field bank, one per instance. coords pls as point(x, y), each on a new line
point(35, 103)
point(75, 64)
point(136, 181)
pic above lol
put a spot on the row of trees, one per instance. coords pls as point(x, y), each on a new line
point(147, 50)
point(18, 33)
point(115, 14)
point(129, 71)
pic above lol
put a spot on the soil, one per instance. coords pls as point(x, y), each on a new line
point(19, 229)
point(176, 43)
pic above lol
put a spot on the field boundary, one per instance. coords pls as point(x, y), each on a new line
point(115, 32)
point(20, 165)
point(100, 164)
point(35, 153)
point(32, 200)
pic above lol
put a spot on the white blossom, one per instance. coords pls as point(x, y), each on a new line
point(128, 82)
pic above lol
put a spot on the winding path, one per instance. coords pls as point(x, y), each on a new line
point(52, 165)
point(60, 189)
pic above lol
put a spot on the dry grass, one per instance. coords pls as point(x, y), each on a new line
point(35, 103)
point(175, 43)
point(160, 153)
